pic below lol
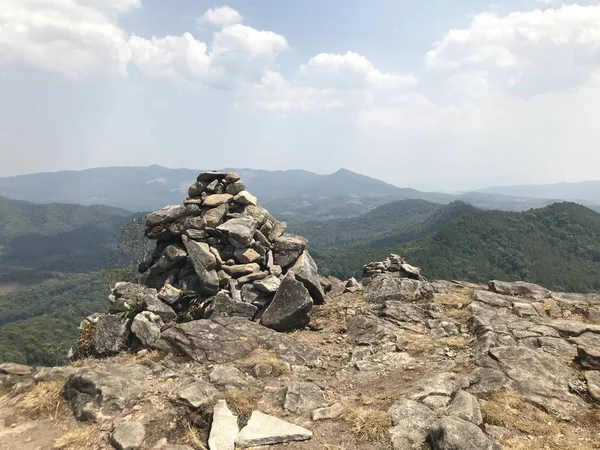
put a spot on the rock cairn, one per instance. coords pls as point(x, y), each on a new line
point(392, 264)
point(220, 254)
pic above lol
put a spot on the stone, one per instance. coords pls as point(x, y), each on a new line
point(262, 370)
point(353, 286)
point(211, 176)
point(436, 402)
point(110, 335)
point(240, 231)
point(223, 305)
point(331, 412)
point(204, 265)
point(197, 394)
point(245, 198)
point(166, 215)
point(251, 294)
point(196, 223)
point(163, 444)
point(453, 433)
point(105, 390)
point(465, 406)
point(277, 230)
point(390, 287)
point(290, 307)
point(367, 330)
point(524, 309)
point(252, 277)
point(411, 422)
point(146, 326)
point(15, 369)
point(287, 249)
point(52, 373)
point(225, 375)
point(305, 270)
point(303, 397)
point(226, 339)
point(592, 378)
point(128, 436)
point(217, 200)
point(173, 256)
point(154, 305)
point(263, 429)
point(519, 289)
point(224, 428)
point(214, 217)
point(196, 235)
point(268, 285)
point(239, 270)
point(588, 357)
point(235, 188)
point(246, 255)
point(169, 294)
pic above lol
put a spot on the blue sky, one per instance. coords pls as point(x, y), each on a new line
point(435, 95)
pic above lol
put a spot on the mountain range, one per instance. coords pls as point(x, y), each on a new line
point(291, 194)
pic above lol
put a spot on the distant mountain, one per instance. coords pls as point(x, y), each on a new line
point(582, 192)
point(292, 194)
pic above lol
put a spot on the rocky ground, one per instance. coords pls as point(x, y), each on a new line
point(402, 364)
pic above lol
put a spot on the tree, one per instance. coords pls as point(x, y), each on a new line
point(133, 249)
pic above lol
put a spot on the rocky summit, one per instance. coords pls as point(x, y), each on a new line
point(233, 340)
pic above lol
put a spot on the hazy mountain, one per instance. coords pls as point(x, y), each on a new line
point(582, 192)
point(294, 194)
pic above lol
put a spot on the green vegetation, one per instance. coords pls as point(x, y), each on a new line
point(38, 324)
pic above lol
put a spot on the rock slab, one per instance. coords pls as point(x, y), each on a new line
point(263, 429)
point(224, 428)
point(128, 436)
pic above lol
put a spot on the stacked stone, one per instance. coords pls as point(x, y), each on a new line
point(392, 264)
point(231, 257)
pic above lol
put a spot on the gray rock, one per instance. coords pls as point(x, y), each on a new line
point(154, 305)
point(240, 231)
point(287, 249)
point(302, 397)
point(235, 188)
point(194, 223)
point(224, 428)
point(128, 436)
point(519, 289)
point(245, 198)
point(253, 277)
point(211, 176)
point(225, 375)
point(163, 444)
point(229, 339)
point(52, 373)
point(204, 265)
point(368, 330)
point(173, 256)
point(197, 394)
point(331, 412)
point(306, 271)
point(166, 215)
point(146, 327)
point(223, 305)
point(15, 369)
point(588, 357)
point(465, 406)
point(262, 370)
point(169, 294)
point(268, 285)
point(390, 287)
point(592, 378)
point(444, 383)
point(263, 429)
point(436, 402)
point(453, 433)
point(214, 217)
point(277, 230)
point(217, 200)
point(110, 335)
point(290, 307)
point(353, 286)
point(240, 270)
point(411, 422)
point(196, 189)
point(246, 255)
point(251, 294)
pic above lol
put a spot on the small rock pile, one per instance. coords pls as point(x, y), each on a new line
point(220, 254)
point(392, 264)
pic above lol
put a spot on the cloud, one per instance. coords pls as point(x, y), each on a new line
point(74, 38)
point(221, 16)
point(350, 71)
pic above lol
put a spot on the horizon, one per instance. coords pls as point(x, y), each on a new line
point(438, 97)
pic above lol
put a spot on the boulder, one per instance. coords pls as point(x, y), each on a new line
point(204, 265)
point(225, 375)
point(154, 305)
point(217, 200)
point(391, 287)
point(146, 326)
point(245, 198)
point(287, 249)
point(453, 433)
point(412, 422)
point(239, 270)
point(331, 412)
point(305, 270)
point(110, 335)
point(268, 285)
point(263, 429)
point(235, 188)
point(166, 215)
point(128, 436)
point(223, 305)
point(465, 406)
point(240, 231)
point(353, 286)
point(224, 428)
point(197, 394)
point(290, 307)
point(214, 217)
point(519, 289)
point(302, 397)
point(15, 369)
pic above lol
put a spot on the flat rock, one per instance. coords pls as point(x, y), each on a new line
point(453, 433)
point(240, 231)
point(246, 255)
point(166, 215)
point(53, 373)
point(412, 422)
point(303, 397)
point(331, 412)
point(163, 444)
point(239, 270)
point(290, 307)
point(198, 393)
point(128, 436)
point(465, 406)
point(391, 287)
point(306, 271)
point(588, 357)
point(268, 285)
point(225, 375)
point(245, 198)
point(519, 289)
point(15, 369)
point(263, 429)
point(217, 200)
point(224, 428)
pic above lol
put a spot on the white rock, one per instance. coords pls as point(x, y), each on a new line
point(224, 428)
point(245, 198)
point(128, 436)
point(263, 429)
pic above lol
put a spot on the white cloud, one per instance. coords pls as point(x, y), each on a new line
point(75, 38)
point(221, 16)
point(350, 71)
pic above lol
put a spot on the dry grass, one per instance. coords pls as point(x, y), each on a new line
point(461, 316)
point(243, 402)
point(456, 341)
point(264, 356)
point(194, 439)
point(457, 299)
point(416, 344)
point(77, 438)
point(43, 399)
point(533, 427)
point(369, 424)
point(335, 310)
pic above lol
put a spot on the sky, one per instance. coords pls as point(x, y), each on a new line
point(434, 95)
